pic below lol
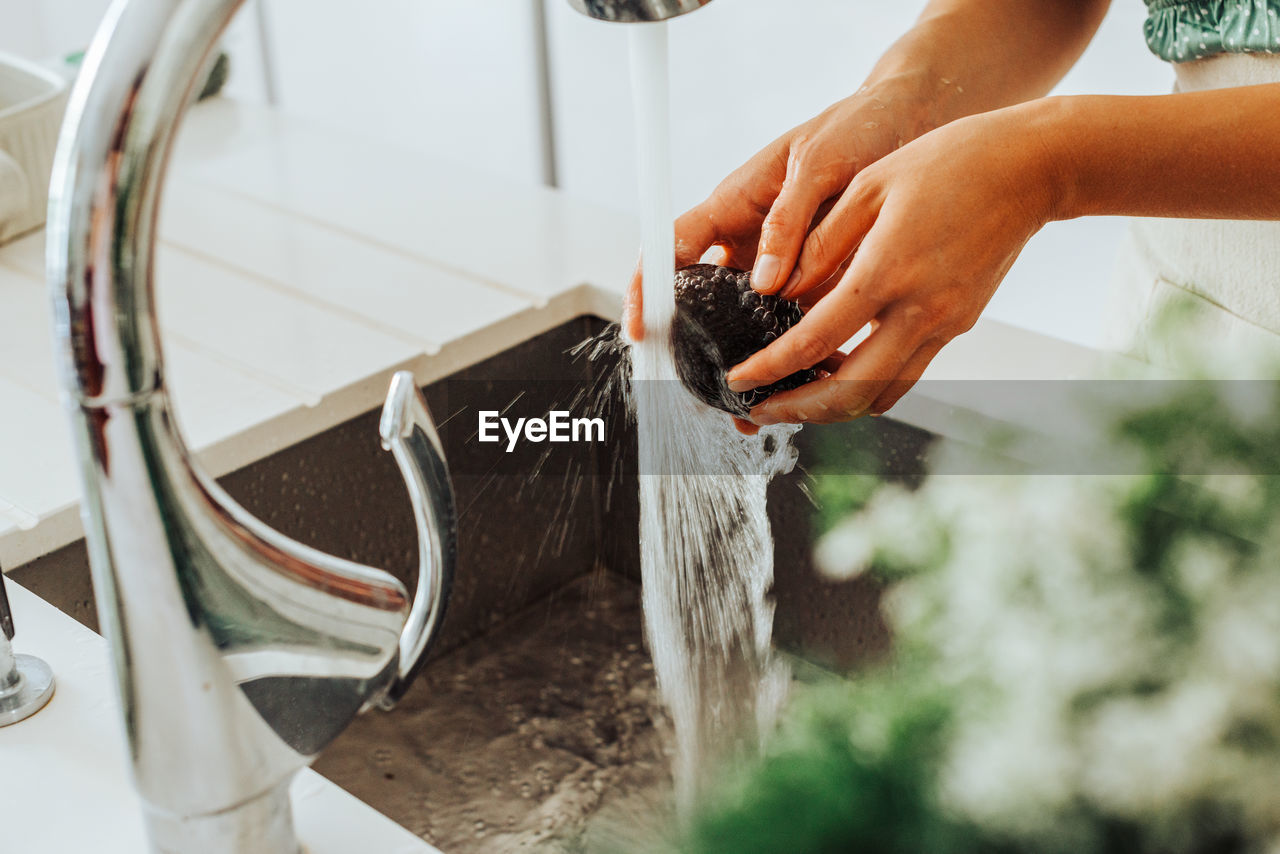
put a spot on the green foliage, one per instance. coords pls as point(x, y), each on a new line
point(1083, 664)
point(837, 496)
point(837, 783)
point(844, 470)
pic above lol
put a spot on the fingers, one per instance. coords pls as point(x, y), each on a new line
point(732, 214)
point(833, 240)
point(738, 254)
point(830, 323)
point(810, 297)
point(841, 398)
point(730, 219)
point(695, 234)
point(832, 363)
point(783, 232)
point(910, 374)
point(697, 230)
point(851, 391)
point(633, 309)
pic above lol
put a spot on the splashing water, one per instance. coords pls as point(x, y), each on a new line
point(706, 551)
point(706, 560)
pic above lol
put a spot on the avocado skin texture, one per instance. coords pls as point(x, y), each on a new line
point(719, 322)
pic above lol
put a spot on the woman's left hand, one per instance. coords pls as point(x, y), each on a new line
point(935, 225)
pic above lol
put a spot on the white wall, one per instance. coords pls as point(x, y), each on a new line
point(744, 71)
point(45, 29)
point(455, 78)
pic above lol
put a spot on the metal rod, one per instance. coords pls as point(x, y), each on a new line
point(8, 665)
point(266, 50)
point(545, 95)
point(6, 613)
point(9, 676)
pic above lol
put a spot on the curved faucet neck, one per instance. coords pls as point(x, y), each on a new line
point(111, 161)
point(239, 653)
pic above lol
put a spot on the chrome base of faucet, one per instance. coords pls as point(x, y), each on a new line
point(263, 825)
point(29, 689)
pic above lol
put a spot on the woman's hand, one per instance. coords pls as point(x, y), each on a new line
point(935, 225)
point(759, 216)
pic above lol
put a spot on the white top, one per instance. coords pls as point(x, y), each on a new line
point(1224, 273)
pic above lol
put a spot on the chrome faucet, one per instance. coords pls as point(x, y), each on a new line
point(636, 11)
point(239, 653)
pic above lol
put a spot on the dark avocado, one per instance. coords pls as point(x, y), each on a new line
point(719, 322)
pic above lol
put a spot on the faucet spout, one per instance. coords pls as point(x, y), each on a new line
point(239, 653)
point(636, 11)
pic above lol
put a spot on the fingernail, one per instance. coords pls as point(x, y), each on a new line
point(741, 385)
point(791, 282)
point(765, 272)
point(858, 410)
point(763, 417)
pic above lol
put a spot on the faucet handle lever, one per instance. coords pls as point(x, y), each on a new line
point(409, 433)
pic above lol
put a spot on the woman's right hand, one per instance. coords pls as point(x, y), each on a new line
point(760, 215)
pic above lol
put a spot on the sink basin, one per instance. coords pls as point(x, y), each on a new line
point(538, 710)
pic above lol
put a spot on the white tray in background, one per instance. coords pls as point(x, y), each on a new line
point(32, 100)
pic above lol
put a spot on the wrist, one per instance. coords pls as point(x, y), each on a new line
point(1047, 132)
point(932, 70)
point(909, 98)
point(1058, 127)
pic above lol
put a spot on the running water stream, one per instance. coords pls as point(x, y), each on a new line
point(706, 548)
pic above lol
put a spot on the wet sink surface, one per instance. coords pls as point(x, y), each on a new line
point(517, 740)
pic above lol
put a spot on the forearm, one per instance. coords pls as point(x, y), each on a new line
point(1202, 155)
point(969, 56)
